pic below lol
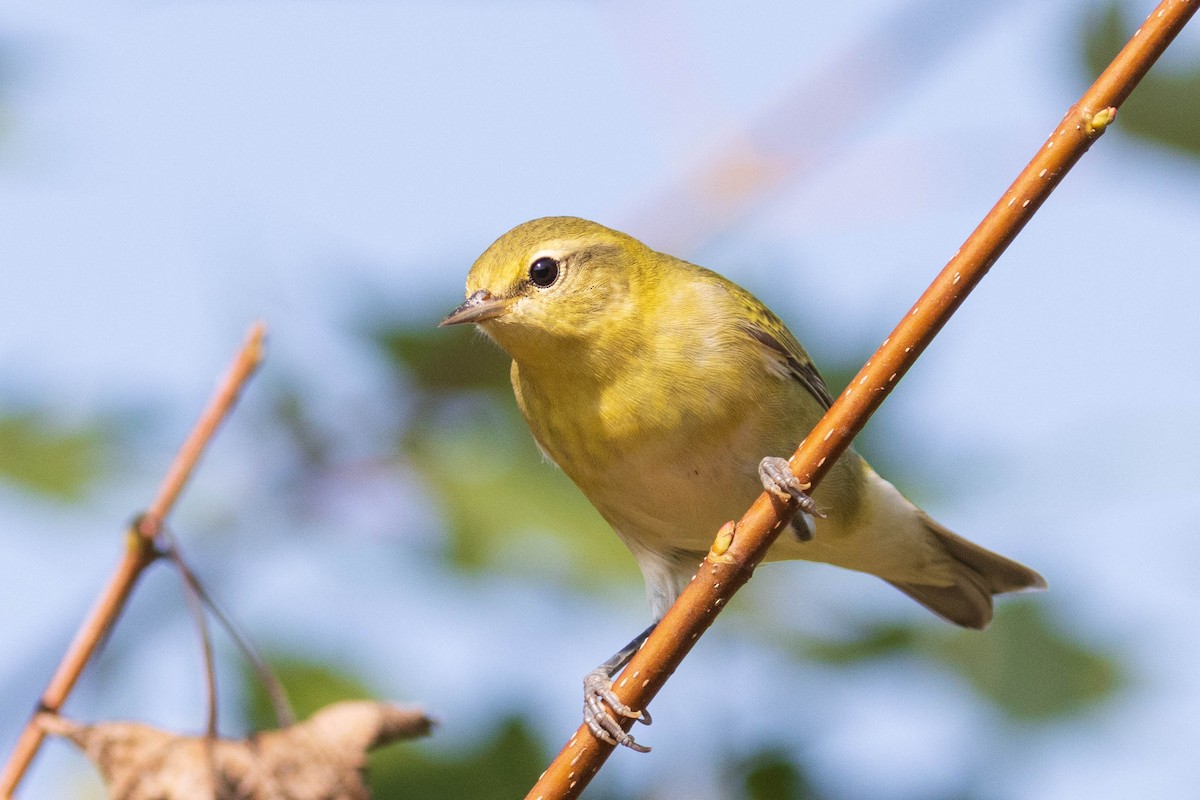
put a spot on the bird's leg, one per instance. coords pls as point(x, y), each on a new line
point(598, 691)
point(782, 484)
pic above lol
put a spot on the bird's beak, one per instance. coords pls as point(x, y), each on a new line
point(478, 307)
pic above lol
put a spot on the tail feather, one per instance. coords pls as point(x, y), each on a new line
point(978, 574)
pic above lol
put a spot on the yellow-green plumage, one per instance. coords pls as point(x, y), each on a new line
point(658, 386)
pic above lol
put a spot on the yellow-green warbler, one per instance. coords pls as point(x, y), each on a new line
point(667, 394)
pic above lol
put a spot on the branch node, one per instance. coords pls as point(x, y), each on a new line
point(146, 527)
point(140, 540)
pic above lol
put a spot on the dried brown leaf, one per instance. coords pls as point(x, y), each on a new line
point(319, 759)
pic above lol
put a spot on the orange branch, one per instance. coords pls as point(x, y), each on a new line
point(139, 553)
point(739, 548)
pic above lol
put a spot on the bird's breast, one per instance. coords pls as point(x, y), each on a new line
point(666, 469)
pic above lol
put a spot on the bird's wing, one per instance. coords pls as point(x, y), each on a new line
point(784, 353)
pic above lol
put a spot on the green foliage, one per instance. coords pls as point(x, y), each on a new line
point(503, 764)
point(504, 505)
point(1165, 108)
point(506, 508)
point(772, 775)
point(310, 685)
point(452, 359)
point(873, 642)
point(1028, 667)
point(42, 456)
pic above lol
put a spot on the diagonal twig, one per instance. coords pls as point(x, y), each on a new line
point(284, 715)
point(194, 599)
point(739, 547)
point(139, 553)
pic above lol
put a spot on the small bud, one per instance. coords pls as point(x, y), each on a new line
point(1097, 122)
point(721, 544)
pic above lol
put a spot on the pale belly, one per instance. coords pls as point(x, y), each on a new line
point(667, 500)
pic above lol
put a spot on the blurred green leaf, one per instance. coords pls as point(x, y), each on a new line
point(42, 456)
point(507, 508)
point(1165, 107)
point(771, 775)
point(445, 359)
point(309, 684)
point(873, 642)
point(502, 765)
point(1031, 669)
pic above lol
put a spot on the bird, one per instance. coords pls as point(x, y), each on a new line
point(667, 393)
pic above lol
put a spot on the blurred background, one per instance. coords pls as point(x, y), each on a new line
point(375, 514)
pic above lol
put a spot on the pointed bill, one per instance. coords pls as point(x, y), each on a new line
point(478, 307)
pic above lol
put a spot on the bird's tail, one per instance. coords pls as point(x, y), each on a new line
point(978, 573)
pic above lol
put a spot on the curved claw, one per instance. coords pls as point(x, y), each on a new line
point(779, 480)
point(601, 704)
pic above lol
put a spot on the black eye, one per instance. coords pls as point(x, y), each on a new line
point(544, 271)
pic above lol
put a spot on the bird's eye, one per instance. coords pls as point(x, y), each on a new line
point(544, 271)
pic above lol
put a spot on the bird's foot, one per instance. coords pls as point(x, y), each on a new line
point(782, 484)
point(598, 699)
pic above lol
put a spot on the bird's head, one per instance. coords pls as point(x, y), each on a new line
point(556, 282)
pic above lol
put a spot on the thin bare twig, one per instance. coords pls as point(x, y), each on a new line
point(244, 365)
point(739, 547)
point(140, 552)
point(284, 715)
point(194, 598)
